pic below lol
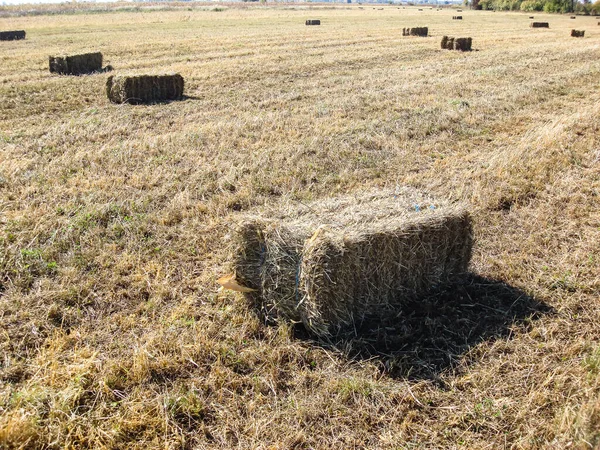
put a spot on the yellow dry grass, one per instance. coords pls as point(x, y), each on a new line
point(114, 226)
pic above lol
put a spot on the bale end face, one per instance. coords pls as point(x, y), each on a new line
point(15, 35)
point(139, 89)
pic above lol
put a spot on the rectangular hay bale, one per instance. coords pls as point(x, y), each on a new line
point(577, 33)
point(456, 17)
point(136, 89)
point(333, 263)
point(313, 22)
point(460, 44)
point(539, 25)
point(76, 64)
point(416, 31)
point(15, 35)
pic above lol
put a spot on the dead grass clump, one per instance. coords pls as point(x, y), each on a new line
point(460, 44)
point(417, 31)
point(12, 35)
point(313, 22)
point(137, 89)
point(456, 17)
point(333, 263)
point(539, 25)
point(577, 33)
point(76, 64)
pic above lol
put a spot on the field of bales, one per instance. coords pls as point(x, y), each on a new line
point(116, 221)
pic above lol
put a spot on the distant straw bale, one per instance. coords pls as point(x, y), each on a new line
point(577, 33)
point(531, 17)
point(418, 31)
point(460, 44)
point(572, 17)
point(15, 35)
point(313, 22)
point(332, 263)
point(136, 89)
point(539, 25)
point(76, 64)
point(456, 17)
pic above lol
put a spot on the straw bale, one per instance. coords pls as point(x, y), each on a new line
point(577, 33)
point(76, 64)
point(333, 263)
point(456, 17)
point(572, 17)
point(539, 25)
point(12, 35)
point(313, 22)
point(417, 31)
point(137, 89)
point(463, 44)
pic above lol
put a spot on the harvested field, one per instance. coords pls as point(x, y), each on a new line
point(116, 222)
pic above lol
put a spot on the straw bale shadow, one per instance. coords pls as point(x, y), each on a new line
point(430, 335)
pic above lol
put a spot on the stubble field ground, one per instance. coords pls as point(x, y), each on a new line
point(115, 224)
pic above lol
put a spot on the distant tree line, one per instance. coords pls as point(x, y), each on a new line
point(550, 6)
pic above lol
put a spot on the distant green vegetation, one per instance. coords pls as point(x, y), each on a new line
point(550, 6)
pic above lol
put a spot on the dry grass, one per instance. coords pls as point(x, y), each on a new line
point(114, 223)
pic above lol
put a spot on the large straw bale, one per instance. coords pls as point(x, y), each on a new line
point(313, 22)
point(460, 44)
point(456, 17)
point(12, 35)
point(539, 25)
point(577, 33)
point(76, 64)
point(136, 89)
point(416, 31)
point(333, 263)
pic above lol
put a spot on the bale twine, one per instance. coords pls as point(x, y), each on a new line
point(577, 33)
point(313, 22)
point(417, 31)
point(456, 17)
point(136, 89)
point(539, 25)
point(332, 263)
point(76, 64)
point(15, 35)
